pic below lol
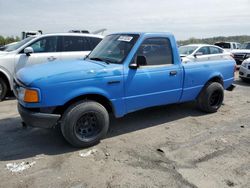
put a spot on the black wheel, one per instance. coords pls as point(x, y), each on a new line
point(85, 123)
point(3, 89)
point(211, 97)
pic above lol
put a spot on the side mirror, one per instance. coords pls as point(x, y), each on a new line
point(140, 61)
point(28, 51)
point(198, 54)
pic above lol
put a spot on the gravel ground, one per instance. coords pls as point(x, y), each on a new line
point(169, 146)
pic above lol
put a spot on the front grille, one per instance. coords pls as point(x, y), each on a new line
point(239, 56)
point(249, 67)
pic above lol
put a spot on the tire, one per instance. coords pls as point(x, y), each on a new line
point(211, 97)
point(3, 89)
point(85, 123)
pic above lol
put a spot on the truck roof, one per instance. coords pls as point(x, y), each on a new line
point(71, 34)
point(146, 33)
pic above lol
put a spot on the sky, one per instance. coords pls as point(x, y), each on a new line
point(183, 18)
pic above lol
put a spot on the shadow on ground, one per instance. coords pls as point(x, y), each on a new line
point(17, 142)
point(242, 83)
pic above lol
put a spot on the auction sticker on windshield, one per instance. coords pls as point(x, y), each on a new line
point(125, 38)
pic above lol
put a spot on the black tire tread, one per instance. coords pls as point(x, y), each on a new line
point(65, 128)
point(5, 89)
point(202, 100)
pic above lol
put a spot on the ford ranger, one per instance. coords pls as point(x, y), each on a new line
point(126, 72)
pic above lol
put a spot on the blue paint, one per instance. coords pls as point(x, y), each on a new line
point(133, 89)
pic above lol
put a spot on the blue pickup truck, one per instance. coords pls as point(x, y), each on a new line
point(126, 72)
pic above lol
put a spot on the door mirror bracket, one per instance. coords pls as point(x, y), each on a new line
point(28, 51)
point(140, 61)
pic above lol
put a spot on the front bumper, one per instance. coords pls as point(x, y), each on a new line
point(38, 119)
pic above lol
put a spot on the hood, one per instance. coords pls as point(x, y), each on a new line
point(66, 71)
point(2, 53)
point(240, 51)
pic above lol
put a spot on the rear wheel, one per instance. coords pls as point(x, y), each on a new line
point(211, 97)
point(3, 89)
point(85, 123)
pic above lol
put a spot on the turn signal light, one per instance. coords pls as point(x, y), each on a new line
point(31, 96)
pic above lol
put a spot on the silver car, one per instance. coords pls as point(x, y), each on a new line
point(244, 72)
point(202, 52)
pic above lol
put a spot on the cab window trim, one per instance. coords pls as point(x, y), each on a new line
point(29, 45)
point(160, 65)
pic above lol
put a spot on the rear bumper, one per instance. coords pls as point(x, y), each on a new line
point(37, 119)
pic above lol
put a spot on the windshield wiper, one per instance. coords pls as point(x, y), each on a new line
point(107, 61)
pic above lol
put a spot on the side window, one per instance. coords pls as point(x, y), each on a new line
point(234, 46)
point(204, 50)
point(214, 50)
point(157, 51)
point(46, 44)
point(75, 43)
point(93, 42)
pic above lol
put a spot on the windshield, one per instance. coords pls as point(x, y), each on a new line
point(245, 46)
point(187, 50)
point(223, 45)
point(114, 48)
point(17, 45)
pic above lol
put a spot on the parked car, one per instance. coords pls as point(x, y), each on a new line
point(126, 72)
point(228, 46)
point(202, 52)
point(42, 49)
point(241, 54)
point(244, 72)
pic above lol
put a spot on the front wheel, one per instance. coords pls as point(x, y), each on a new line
point(3, 89)
point(211, 97)
point(85, 123)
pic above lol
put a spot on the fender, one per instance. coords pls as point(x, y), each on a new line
point(117, 104)
point(86, 91)
point(8, 76)
point(216, 75)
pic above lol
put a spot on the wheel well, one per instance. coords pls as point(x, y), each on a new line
point(94, 97)
point(216, 79)
point(4, 77)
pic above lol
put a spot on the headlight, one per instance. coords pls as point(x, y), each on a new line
point(28, 95)
point(247, 56)
point(244, 64)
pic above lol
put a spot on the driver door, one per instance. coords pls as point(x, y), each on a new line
point(157, 81)
point(45, 49)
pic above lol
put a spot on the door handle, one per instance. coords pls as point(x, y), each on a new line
point(172, 73)
point(51, 58)
point(114, 82)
